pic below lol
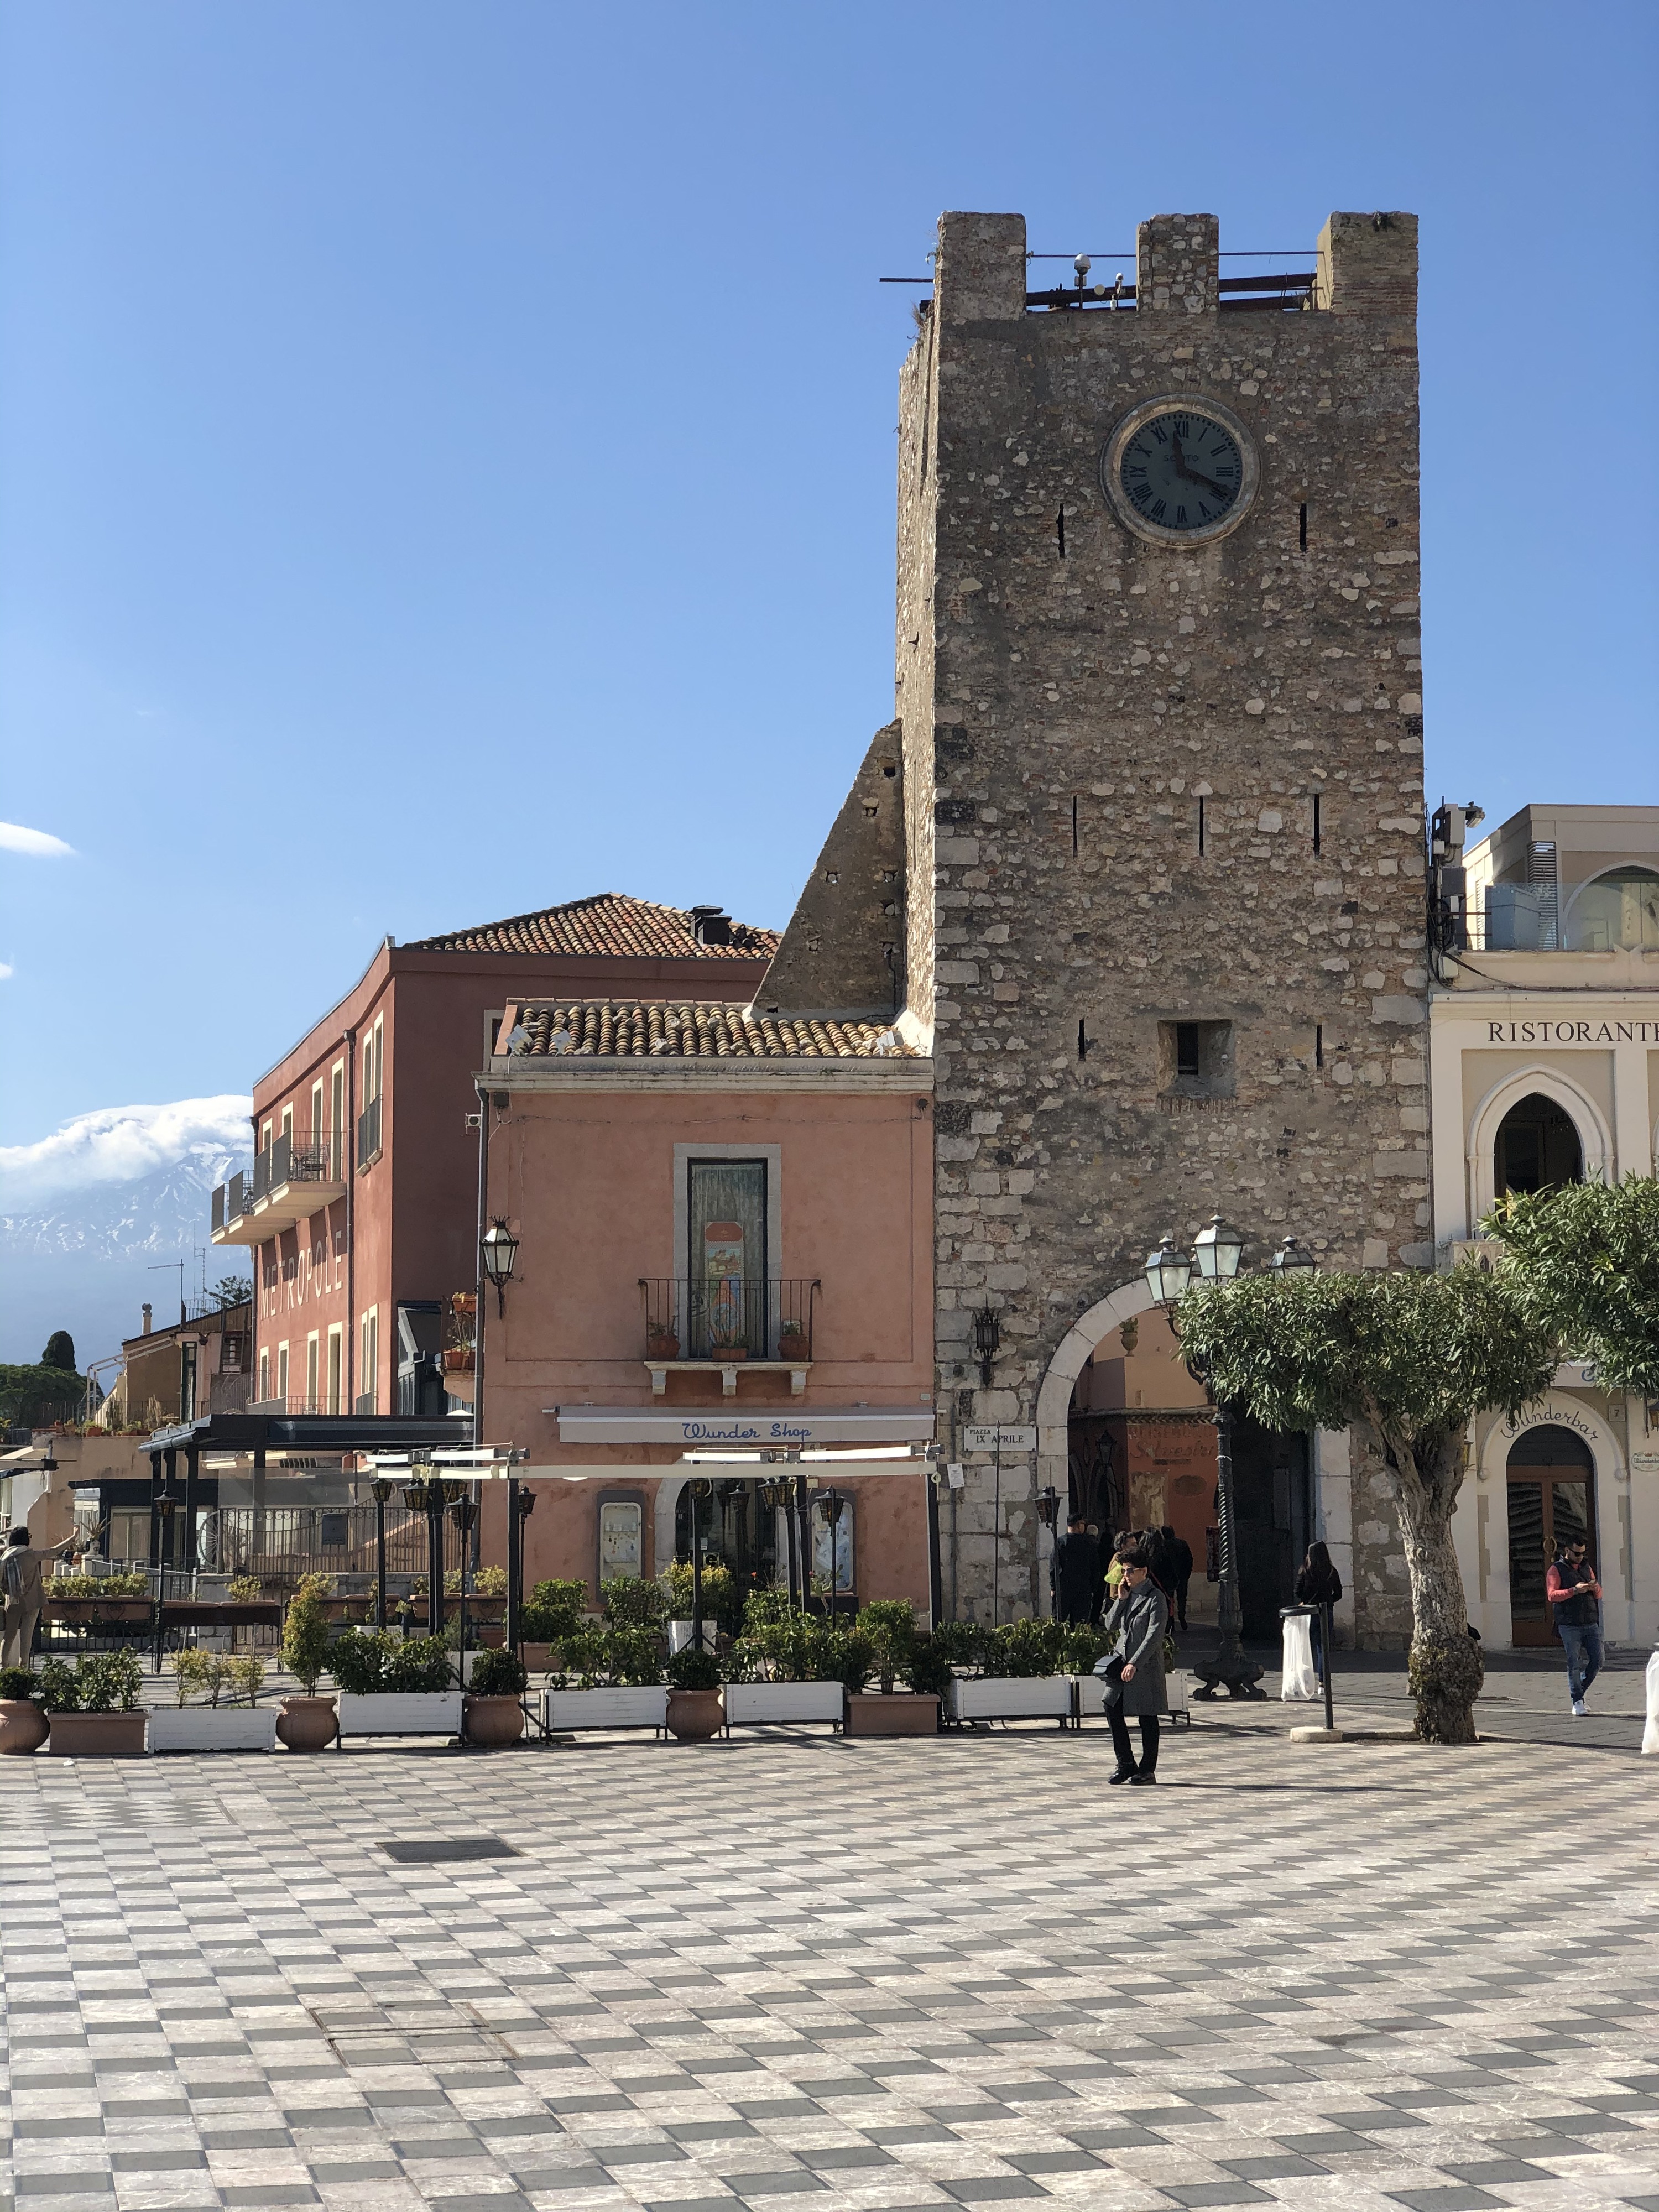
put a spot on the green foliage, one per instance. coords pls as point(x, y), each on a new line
point(314, 1586)
point(59, 1352)
point(1584, 1261)
point(960, 1643)
point(245, 1589)
point(305, 1634)
point(553, 1611)
point(890, 1624)
point(214, 1674)
point(233, 1291)
point(634, 1601)
point(194, 1675)
point(498, 1674)
point(764, 1605)
point(245, 1677)
point(1416, 1356)
point(19, 1683)
point(375, 1664)
point(625, 1658)
point(722, 1601)
point(104, 1682)
point(488, 1581)
point(1022, 1649)
point(840, 1654)
point(1082, 1647)
point(928, 1669)
point(132, 1585)
point(693, 1667)
point(40, 1394)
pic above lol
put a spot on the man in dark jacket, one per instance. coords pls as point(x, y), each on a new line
point(1575, 1597)
point(1179, 1554)
point(1077, 1574)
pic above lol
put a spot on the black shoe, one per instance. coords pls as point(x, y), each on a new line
point(1143, 1775)
point(1123, 1774)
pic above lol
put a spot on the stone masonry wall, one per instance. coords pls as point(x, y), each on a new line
point(1070, 711)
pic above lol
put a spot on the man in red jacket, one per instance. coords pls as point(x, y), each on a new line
point(1575, 1597)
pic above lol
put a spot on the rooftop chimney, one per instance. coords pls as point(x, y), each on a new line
point(711, 925)
point(144, 1331)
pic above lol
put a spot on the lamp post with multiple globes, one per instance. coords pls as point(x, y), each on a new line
point(1216, 1252)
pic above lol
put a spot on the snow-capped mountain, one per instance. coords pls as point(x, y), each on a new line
point(93, 1213)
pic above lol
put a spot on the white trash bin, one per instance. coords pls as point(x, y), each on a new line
point(1299, 1683)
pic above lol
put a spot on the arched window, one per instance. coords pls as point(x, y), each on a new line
point(1616, 912)
point(1537, 1148)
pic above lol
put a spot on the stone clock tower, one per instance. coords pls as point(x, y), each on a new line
point(1160, 711)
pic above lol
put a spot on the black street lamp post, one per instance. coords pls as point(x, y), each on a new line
point(380, 1492)
point(1216, 1252)
point(520, 1504)
point(463, 1511)
point(833, 1504)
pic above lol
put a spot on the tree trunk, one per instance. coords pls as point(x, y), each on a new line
point(1445, 1669)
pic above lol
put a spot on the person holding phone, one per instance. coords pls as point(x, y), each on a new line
point(1135, 1669)
point(1575, 1597)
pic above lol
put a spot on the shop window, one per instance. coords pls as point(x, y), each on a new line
point(621, 1538)
point(1537, 1148)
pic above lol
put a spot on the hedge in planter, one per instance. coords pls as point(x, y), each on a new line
point(237, 1724)
point(394, 1685)
point(93, 1707)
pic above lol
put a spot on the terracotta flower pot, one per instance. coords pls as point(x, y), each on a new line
point(695, 1715)
point(902, 1713)
point(663, 1347)
point(306, 1723)
point(22, 1725)
point(97, 1735)
point(793, 1348)
point(458, 1361)
point(492, 1722)
point(537, 1657)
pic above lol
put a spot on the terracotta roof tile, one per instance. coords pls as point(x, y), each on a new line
point(620, 1029)
point(610, 923)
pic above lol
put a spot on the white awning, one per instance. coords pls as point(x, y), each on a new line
point(708, 1429)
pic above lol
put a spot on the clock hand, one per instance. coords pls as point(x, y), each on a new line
point(1180, 468)
point(1208, 483)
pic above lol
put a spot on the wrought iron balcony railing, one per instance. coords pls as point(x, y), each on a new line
point(724, 1318)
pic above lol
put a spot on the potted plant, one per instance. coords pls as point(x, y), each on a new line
point(238, 1724)
point(722, 1602)
point(494, 1712)
point(661, 1343)
point(552, 1611)
point(1020, 1675)
point(396, 1686)
point(793, 1343)
point(771, 1669)
point(307, 1722)
point(93, 1707)
point(92, 1600)
point(883, 1642)
point(608, 1678)
point(694, 1710)
point(22, 1717)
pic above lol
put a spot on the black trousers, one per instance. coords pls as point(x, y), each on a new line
point(1120, 1729)
point(1180, 1608)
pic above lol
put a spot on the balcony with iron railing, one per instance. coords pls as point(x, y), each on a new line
point(297, 1175)
point(728, 1325)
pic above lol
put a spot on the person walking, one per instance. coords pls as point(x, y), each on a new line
point(1179, 1554)
point(1317, 1584)
point(1077, 1574)
point(1575, 1597)
point(1135, 1669)
point(22, 1592)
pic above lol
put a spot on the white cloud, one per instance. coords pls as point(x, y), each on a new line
point(117, 1143)
point(7, 971)
point(39, 842)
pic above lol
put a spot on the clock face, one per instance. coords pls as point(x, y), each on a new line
point(1175, 472)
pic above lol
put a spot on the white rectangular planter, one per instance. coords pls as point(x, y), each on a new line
point(754, 1704)
point(401, 1712)
point(210, 1728)
point(607, 1709)
point(1091, 1694)
point(1032, 1698)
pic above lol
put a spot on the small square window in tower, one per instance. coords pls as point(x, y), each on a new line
point(1195, 1060)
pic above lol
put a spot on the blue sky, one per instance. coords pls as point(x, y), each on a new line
point(447, 452)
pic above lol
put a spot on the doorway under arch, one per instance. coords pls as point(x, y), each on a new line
point(1537, 1148)
point(1551, 1483)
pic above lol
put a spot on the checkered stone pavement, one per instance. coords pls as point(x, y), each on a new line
point(861, 1975)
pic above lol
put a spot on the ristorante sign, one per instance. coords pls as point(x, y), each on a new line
point(1590, 1032)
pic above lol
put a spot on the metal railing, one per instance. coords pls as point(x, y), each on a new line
point(1285, 294)
point(232, 1199)
point(280, 1543)
point(728, 1317)
point(297, 1157)
point(368, 1133)
point(276, 1408)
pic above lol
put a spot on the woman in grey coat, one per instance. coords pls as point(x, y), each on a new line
point(1136, 1623)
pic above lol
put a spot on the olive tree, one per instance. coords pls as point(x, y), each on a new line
point(1412, 1358)
point(1584, 1261)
